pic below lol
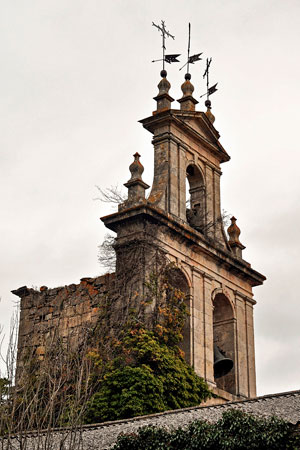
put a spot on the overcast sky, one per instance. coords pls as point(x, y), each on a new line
point(76, 76)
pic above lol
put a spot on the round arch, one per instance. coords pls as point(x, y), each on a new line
point(227, 295)
point(186, 274)
point(199, 170)
point(178, 279)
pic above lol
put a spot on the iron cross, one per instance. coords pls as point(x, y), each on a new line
point(165, 33)
point(212, 89)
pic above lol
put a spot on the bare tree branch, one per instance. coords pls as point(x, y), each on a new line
point(113, 195)
point(107, 254)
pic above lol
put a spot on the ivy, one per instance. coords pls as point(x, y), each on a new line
point(126, 392)
point(145, 377)
point(140, 369)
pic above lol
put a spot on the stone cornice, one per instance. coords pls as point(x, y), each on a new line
point(199, 243)
point(176, 116)
point(245, 297)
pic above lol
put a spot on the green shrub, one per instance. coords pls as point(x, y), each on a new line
point(145, 377)
point(236, 430)
point(126, 392)
point(140, 369)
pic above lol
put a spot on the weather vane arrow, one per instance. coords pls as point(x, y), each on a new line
point(165, 33)
point(191, 59)
point(169, 58)
point(209, 90)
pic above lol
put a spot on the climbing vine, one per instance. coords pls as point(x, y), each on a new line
point(145, 376)
point(142, 370)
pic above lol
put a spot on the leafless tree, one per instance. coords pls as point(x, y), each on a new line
point(51, 390)
point(107, 254)
point(113, 195)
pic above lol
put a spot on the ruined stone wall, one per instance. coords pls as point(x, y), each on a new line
point(63, 312)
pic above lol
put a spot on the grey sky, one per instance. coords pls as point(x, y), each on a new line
point(76, 76)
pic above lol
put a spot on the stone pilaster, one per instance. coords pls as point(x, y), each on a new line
point(182, 181)
point(198, 317)
point(242, 360)
point(250, 349)
point(217, 207)
point(209, 216)
point(208, 330)
point(173, 178)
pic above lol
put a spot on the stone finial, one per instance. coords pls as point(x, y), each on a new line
point(136, 186)
point(163, 98)
point(136, 168)
point(164, 85)
point(187, 101)
point(208, 113)
point(234, 242)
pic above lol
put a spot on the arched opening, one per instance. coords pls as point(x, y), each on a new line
point(178, 281)
point(224, 339)
point(195, 198)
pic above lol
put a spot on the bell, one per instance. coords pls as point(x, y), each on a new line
point(222, 365)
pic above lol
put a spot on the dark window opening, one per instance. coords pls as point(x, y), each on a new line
point(195, 198)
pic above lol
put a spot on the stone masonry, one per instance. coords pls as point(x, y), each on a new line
point(182, 218)
point(218, 281)
point(65, 311)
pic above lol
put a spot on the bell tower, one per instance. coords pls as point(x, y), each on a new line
point(182, 215)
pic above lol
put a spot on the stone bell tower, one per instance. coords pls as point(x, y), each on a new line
point(182, 215)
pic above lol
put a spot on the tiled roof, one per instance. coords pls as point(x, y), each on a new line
point(102, 436)
point(285, 405)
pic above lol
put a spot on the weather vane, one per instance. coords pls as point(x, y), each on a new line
point(191, 59)
point(165, 33)
point(212, 89)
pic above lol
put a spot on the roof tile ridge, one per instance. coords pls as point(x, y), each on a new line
point(193, 408)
